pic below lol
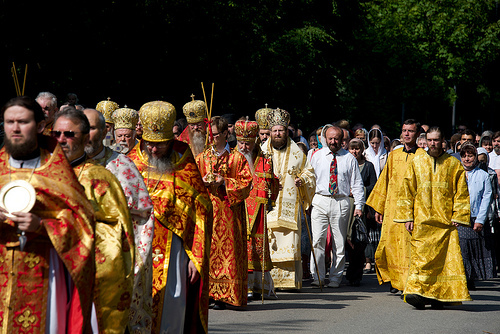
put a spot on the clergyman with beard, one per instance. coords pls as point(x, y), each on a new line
point(261, 118)
point(231, 136)
point(265, 187)
point(195, 134)
point(296, 177)
point(182, 227)
point(139, 204)
point(55, 261)
point(125, 121)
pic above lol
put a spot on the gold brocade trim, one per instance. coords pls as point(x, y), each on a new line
point(168, 248)
point(434, 184)
point(26, 319)
point(8, 294)
point(31, 260)
point(186, 209)
point(157, 255)
point(283, 223)
point(461, 206)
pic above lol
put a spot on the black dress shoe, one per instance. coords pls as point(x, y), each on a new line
point(219, 305)
point(437, 305)
point(355, 283)
point(393, 290)
point(416, 301)
point(471, 285)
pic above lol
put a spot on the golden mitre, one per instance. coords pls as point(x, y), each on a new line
point(157, 120)
point(106, 108)
point(278, 117)
point(261, 117)
point(125, 118)
point(195, 111)
point(246, 131)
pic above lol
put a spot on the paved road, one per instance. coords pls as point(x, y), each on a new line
point(369, 308)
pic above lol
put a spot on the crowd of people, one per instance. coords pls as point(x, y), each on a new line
point(115, 220)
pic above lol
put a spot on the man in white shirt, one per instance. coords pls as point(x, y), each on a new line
point(337, 176)
point(495, 154)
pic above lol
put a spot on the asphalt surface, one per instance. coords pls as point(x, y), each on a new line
point(369, 308)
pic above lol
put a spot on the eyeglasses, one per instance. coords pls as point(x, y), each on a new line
point(67, 134)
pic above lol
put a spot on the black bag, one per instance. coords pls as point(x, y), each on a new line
point(359, 232)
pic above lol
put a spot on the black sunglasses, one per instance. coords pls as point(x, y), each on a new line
point(67, 134)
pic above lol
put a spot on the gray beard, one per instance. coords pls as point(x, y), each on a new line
point(248, 156)
point(91, 149)
point(161, 165)
point(197, 142)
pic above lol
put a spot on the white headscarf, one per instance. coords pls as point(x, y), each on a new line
point(373, 157)
point(323, 134)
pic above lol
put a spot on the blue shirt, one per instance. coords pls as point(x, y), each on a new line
point(478, 182)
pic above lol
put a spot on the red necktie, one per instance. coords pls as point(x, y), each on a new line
point(333, 176)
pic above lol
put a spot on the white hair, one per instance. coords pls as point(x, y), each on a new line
point(48, 96)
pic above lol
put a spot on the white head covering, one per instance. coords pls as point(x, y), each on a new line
point(323, 134)
point(482, 150)
point(373, 157)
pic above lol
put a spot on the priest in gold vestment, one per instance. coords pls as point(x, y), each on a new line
point(46, 284)
point(229, 188)
point(141, 213)
point(114, 235)
point(297, 178)
point(392, 254)
point(183, 224)
point(433, 201)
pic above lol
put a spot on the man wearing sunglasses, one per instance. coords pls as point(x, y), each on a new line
point(229, 185)
point(183, 224)
point(46, 253)
point(141, 211)
point(114, 234)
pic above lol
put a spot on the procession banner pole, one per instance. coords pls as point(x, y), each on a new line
point(25, 73)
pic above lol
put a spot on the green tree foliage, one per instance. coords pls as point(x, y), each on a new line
point(437, 44)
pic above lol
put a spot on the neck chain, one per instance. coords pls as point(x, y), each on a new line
point(32, 172)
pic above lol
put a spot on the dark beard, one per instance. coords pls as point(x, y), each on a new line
point(162, 165)
point(279, 144)
point(231, 137)
point(26, 151)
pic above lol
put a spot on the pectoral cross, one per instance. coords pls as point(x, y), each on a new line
point(157, 256)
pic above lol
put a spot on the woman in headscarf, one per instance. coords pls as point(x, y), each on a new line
point(475, 241)
point(376, 152)
point(365, 255)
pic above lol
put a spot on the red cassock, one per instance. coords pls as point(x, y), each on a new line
point(265, 187)
point(228, 255)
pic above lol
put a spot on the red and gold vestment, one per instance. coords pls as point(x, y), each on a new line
point(67, 220)
point(265, 186)
point(228, 255)
point(182, 207)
